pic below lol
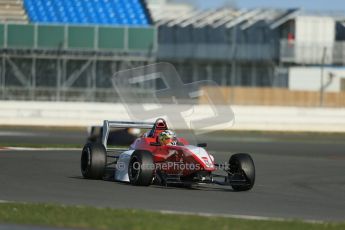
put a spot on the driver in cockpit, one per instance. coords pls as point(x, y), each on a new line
point(167, 137)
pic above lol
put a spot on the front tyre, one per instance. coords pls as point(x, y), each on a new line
point(141, 168)
point(93, 161)
point(242, 172)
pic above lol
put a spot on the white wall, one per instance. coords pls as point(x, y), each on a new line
point(309, 78)
point(315, 29)
point(312, 35)
point(246, 117)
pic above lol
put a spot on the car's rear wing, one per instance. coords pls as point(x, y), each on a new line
point(107, 125)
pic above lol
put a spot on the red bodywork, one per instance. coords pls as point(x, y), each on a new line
point(182, 159)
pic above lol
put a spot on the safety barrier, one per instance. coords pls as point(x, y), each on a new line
point(246, 117)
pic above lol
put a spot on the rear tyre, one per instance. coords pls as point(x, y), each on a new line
point(242, 172)
point(141, 168)
point(93, 161)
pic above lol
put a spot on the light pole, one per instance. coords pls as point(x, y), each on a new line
point(322, 74)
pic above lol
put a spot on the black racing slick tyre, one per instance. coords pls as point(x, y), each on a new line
point(141, 168)
point(242, 172)
point(93, 161)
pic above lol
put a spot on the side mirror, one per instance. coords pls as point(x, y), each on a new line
point(202, 145)
point(155, 144)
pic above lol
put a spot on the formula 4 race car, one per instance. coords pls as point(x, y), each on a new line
point(147, 161)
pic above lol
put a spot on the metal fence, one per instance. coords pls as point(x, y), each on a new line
point(60, 78)
point(312, 53)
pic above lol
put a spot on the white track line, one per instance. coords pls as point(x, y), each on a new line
point(48, 149)
point(16, 134)
point(246, 217)
point(38, 149)
point(5, 201)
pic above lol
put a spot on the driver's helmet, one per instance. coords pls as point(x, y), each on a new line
point(167, 137)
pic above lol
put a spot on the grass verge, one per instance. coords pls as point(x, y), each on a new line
point(106, 218)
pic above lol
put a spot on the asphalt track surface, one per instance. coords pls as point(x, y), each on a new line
point(296, 177)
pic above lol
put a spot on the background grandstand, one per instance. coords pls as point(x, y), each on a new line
point(67, 50)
